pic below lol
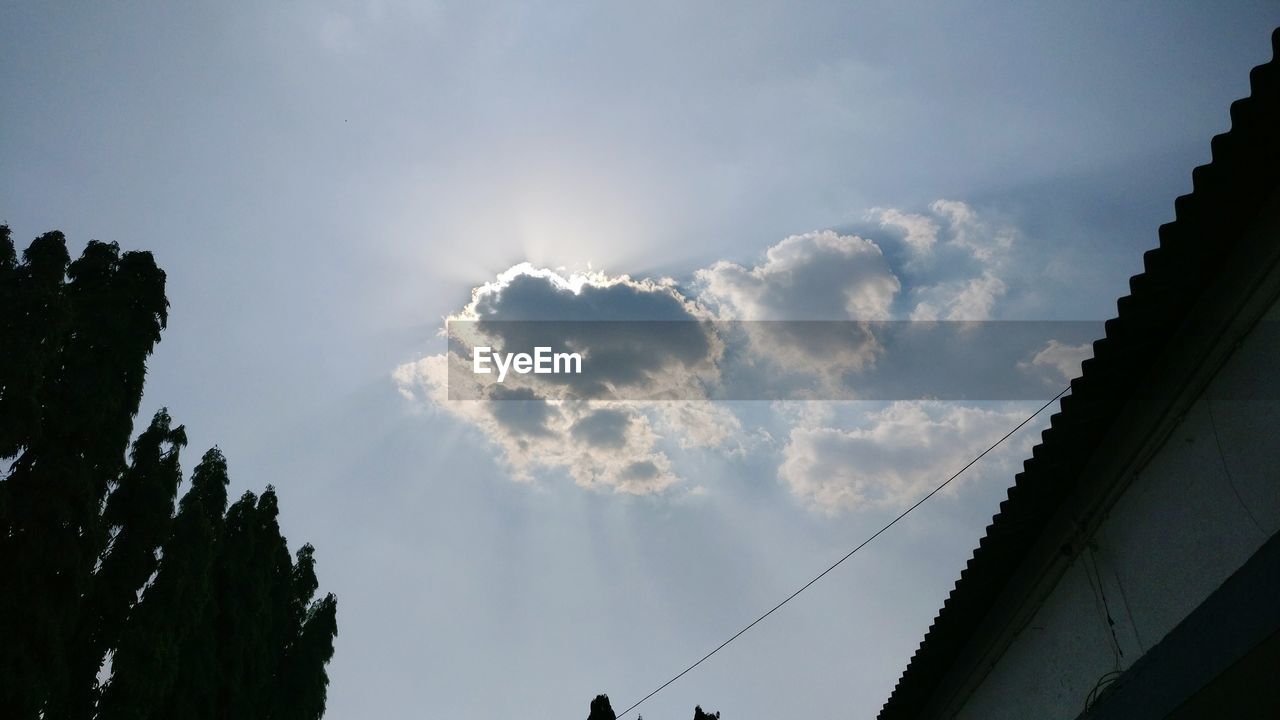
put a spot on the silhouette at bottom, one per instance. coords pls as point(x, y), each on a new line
point(602, 710)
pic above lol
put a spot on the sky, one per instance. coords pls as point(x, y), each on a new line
point(325, 183)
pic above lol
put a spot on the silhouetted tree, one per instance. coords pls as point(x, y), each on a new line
point(31, 327)
point(138, 515)
point(601, 710)
point(225, 625)
point(164, 660)
point(71, 428)
point(301, 685)
point(252, 590)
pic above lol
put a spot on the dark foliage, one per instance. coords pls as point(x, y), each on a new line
point(202, 612)
point(602, 710)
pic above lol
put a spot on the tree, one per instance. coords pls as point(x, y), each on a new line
point(602, 710)
point(66, 441)
point(138, 516)
point(301, 685)
point(203, 612)
point(161, 663)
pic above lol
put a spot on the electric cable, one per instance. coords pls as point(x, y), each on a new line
point(848, 555)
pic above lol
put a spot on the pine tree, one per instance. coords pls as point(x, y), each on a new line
point(32, 324)
point(138, 515)
point(166, 655)
point(225, 625)
point(601, 709)
point(302, 682)
point(252, 590)
point(71, 447)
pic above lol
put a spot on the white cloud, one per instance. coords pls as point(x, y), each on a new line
point(893, 459)
point(1062, 361)
point(972, 245)
point(920, 231)
point(987, 243)
point(699, 425)
point(608, 446)
point(815, 276)
point(972, 299)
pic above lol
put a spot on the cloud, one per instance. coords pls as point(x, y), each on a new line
point(423, 381)
point(892, 459)
point(920, 231)
point(1061, 361)
point(603, 446)
point(972, 299)
point(555, 423)
point(968, 230)
point(602, 428)
point(525, 292)
point(578, 425)
point(663, 349)
point(699, 425)
point(815, 276)
point(521, 412)
point(973, 257)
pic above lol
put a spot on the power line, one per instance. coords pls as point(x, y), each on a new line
point(848, 555)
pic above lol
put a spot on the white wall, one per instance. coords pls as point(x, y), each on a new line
point(1189, 519)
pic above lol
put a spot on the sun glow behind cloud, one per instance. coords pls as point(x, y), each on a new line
point(578, 225)
point(558, 213)
point(635, 448)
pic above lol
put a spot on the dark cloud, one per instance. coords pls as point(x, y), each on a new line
point(638, 338)
point(642, 470)
point(602, 428)
point(522, 411)
point(547, 297)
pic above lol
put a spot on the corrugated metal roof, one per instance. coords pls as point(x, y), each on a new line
point(1227, 195)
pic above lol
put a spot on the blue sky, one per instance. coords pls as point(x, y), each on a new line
point(325, 182)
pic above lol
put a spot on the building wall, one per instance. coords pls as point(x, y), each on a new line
point(1202, 505)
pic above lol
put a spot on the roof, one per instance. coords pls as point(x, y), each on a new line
point(1210, 226)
